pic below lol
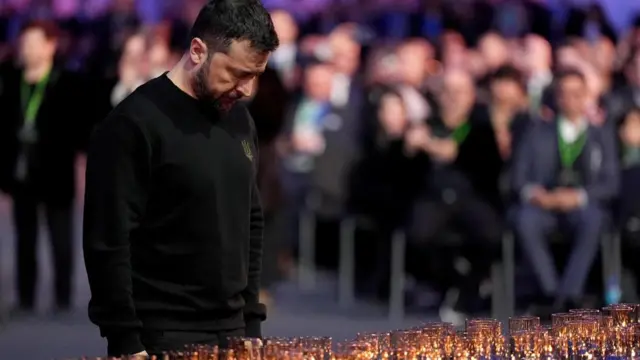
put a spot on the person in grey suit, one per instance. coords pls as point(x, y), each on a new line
point(565, 173)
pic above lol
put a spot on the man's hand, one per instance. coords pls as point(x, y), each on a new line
point(138, 356)
point(542, 198)
point(443, 150)
point(567, 199)
point(417, 138)
point(308, 142)
point(142, 354)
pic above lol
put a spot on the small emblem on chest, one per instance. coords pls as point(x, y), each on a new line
point(247, 150)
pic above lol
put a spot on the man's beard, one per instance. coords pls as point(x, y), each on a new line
point(201, 87)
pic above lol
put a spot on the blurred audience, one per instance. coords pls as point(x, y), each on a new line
point(425, 116)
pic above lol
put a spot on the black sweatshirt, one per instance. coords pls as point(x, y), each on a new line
point(172, 219)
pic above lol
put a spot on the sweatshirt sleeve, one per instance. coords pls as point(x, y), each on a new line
point(118, 167)
point(254, 311)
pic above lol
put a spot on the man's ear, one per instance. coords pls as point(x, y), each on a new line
point(198, 51)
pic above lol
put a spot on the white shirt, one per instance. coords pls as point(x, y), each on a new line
point(570, 130)
point(340, 90)
point(418, 109)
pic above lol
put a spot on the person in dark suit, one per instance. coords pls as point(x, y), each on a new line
point(285, 59)
point(629, 204)
point(39, 138)
point(565, 173)
point(627, 97)
point(342, 123)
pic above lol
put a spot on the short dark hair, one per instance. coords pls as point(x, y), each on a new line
point(49, 28)
point(222, 21)
point(569, 72)
point(508, 73)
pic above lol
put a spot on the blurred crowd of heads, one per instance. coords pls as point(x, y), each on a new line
point(448, 67)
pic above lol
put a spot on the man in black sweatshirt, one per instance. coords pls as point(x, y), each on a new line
point(173, 221)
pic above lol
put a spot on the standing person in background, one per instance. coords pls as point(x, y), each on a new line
point(173, 220)
point(110, 31)
point(415, 57)
point(133, 68)
point(342, 125)
point(285, 58)
point(40, 134)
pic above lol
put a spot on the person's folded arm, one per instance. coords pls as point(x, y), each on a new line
point(118, 168)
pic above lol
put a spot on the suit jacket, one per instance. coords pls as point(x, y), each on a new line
point(332, 167)
point(537, 161)
point(620, 102)
point(63, 123)
point(342, 134)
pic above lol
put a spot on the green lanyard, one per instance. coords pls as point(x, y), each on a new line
point(570, 151)
point(31, 104)
point(461, 132)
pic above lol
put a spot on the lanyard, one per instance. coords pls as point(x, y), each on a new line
point(31, 102)
point(569, 152)
point(461, 133)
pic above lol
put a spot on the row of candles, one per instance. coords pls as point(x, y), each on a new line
point(612, 333)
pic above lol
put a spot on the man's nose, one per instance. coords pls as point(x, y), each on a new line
point(245, 88)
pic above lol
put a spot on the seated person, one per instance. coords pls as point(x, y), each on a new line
point(383, 180)
point(630, 148)
point(629, 204)
point(565, 173)
point(461, 185)
point(382, 185)
point(507, 109)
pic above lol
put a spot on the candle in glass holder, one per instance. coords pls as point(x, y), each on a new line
point(525, 344)
point(621, 314)
point(585, 312)
point(635, 313)
point(523, 323)
point(434, 337)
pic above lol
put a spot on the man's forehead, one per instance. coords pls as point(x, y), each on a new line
point(245, 56)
